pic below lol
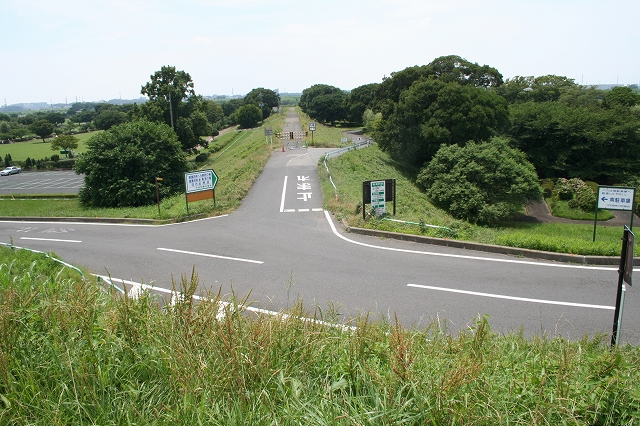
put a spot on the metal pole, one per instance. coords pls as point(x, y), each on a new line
point(619, 296)
point(158, 197)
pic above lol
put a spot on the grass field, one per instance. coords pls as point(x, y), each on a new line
point(36, 149)
point(72, 354)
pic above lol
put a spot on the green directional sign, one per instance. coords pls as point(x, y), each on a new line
point(202, 180)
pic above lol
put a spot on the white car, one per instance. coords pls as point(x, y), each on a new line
point(10, 171)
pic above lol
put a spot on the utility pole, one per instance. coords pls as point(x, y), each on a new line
point(171, 110)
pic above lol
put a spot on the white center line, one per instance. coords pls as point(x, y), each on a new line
point(518, 299)
point(284, 190)
point(50, 239)
point(211, 255)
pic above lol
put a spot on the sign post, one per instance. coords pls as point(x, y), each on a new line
point(624, 275)
point(377, 193)
point(312, 127)
point(614, 198)
point(200, 185)
point(158, 196)
point(268, 134)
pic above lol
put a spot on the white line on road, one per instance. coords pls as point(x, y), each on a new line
point(211, 255)
point(519, 299)
point(115, 224)
point(50, 239)
point(284, 191)
point(461, 256)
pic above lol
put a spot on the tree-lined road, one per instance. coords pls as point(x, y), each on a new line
point(281, 245)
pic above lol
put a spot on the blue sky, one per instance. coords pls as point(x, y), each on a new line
point(92, 50)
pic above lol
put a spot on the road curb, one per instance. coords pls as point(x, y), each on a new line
point(490, 248)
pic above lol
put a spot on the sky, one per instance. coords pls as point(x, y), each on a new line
point(91, 50)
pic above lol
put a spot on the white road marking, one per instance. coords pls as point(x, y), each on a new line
point(303, 210)
point(461, 256)
point(289, 210)
point(114, 224)
point(284, 191)
point(519, 299)
point(211, 255)
point(50, 239)
point(136, 289)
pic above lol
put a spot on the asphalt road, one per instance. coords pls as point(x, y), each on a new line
point(280, 245)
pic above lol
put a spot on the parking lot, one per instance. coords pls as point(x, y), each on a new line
point(34, 182)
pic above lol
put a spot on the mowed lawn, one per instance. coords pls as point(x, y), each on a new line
point(37, 150)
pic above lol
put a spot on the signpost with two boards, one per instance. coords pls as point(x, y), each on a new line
point(377, 193)
point(200, 185)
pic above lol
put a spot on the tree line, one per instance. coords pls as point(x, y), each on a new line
point(455, 122)
point(172, 100)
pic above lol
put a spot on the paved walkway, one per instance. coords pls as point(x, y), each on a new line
point(539, 212)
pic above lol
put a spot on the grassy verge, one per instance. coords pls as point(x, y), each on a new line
point(238, 159)
point(324, 136)
point(72, 354)
point(350, 170)
point(561, 208)
point(36, 149)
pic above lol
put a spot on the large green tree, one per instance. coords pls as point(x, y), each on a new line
point(450, 68)
point(42, 128)
point(359, 100)
point(545, 88)
point(620, 96)
point(248, 116)
point(324, 102)
point(121, 165)
point(64, 143)
point(563, 140)
point(108, 118)
point(434, 112)
point(173, 101)
point(265, 99)
point(480, 182)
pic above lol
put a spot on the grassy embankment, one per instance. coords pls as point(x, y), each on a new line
point(237, 157)
point(73, 354)
point(350, 170)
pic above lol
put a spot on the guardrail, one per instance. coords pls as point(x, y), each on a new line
point(353, 147)
point(339, 152)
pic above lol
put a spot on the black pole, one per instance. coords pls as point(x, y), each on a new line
point(616, 315)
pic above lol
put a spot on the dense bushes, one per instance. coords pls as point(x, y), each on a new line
point(480, 182)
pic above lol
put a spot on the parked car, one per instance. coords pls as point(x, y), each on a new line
point(10, 171)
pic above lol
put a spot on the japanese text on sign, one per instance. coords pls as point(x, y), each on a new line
point(199, 181)
point(378, 197)
point(615, 198)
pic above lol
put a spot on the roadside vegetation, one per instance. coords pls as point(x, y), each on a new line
point(349, 170)
point(72, 353)
point(237, 157)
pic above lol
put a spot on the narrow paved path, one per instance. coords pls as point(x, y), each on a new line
point(539, 212)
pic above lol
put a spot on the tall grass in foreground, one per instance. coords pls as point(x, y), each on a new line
point(351, 169)
point(72, 354)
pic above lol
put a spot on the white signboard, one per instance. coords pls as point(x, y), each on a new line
point(377, 197)
point(615, 198)
point(312, 126)
point(200, 181)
